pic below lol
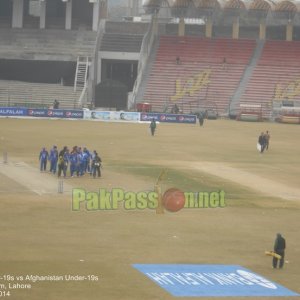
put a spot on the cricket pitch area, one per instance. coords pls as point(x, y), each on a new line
point(41, 235)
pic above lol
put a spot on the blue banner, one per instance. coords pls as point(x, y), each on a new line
point(169, 118)
point(55, 113)
point(211, 281)
point(13, 111)
point(98, 115)
point(37, 112)
point(73, 114)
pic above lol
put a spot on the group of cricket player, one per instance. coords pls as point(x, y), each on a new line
point(79, 161)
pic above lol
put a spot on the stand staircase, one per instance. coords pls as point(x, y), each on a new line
point(82, 67)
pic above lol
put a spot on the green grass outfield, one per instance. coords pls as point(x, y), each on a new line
point(40, 235)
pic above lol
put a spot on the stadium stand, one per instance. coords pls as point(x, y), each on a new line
point(46, 44)
point(33, 45)
point(213, 71)
point(276, 77)
point(37, 95)
point(206, 76)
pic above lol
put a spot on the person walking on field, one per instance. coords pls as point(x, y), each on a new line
point(267, 139)
point(153, 126)
point(262, 142)
point(200, 116)
point(279, 248)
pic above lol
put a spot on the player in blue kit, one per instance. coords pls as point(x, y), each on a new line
point(80, 162)
point(53, 158)
point(43, 157)
point(73, 161)
point(86, 159)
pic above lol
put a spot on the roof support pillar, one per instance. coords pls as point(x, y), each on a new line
point(262, 30)
point(235, 28)
point(17, 17)
point(68, 21)
point(208, 27)
point(289, 31)
point(42, 14)
point(181, 27)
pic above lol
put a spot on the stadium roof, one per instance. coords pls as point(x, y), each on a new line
point(285, 6)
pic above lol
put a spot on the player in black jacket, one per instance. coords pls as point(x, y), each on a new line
point(279, 248)
point(96, 165)
point(262, 142)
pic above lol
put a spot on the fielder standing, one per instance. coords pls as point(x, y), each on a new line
point(279, 248)
point(152, 126)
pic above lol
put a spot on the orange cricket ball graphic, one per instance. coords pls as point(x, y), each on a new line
point(173, 199)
